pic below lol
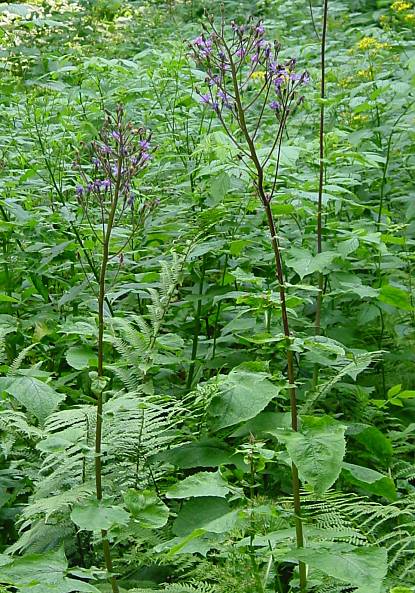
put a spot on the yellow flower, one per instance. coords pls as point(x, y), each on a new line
point(370, 44)
point(400, 5)
point(364, 74)
point(359, 118)
point(258, 75)
point(410, 18)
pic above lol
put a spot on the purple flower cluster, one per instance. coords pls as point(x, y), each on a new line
point(119, 154)
point(240, 55)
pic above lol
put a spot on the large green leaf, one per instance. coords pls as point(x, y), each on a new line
point(242, 395)
point(41, 573)
point(96, 516)
point(363, 567)
point(396, 297)
point(37, 397)
point(200, 485)
point(197, 512)
point(373, 440)
point(305, 263)
point(205, 453)
point(317, 450)
point(81, 357)
point(146, 508)
point(370, 480)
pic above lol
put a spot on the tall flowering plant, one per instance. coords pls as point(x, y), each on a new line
point(246, 81)
point(105, 195)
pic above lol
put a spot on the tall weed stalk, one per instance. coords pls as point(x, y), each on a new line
point(106, 195)
point(247, 87)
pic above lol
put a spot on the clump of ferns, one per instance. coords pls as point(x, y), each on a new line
point(364, 522)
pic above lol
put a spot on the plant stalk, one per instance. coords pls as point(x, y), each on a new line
point(317, 321)
point(100, 368)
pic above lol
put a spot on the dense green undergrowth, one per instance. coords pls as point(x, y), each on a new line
point(149, 386)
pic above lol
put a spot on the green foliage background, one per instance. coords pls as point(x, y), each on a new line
point(197, 442)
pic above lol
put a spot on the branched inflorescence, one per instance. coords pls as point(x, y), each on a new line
point(115, 159)
point(245, 80)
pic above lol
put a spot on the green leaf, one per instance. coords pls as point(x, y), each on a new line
point(220, 186)
point(96, 516)
point(373, 439)
point(146, 508)
point(370, 480)
point(363, 567)
point(37, 568)
point(263, 423)
point(81, 357)
point(205, 453)
point(394, 390)
point(396, 297)
point(304, 263)
point(37, 397)
point(200, 485)
point(241, 396)
point(317, 450)
point(198, 512)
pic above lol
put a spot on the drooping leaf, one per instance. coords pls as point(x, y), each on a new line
point(205, 453)
point(373, 440)
point(305, 263)
point(95, 516)
point(198, 512)
point(370, 480)
point(241, 396)
point(81, 357)
point(147, 508)
point(396, 297)
point(200, 485)
point(317, 450)
point(37, 397)
point(363, 567)
point(41, 573)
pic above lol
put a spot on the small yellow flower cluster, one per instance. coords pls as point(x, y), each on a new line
point(364, 73)
point(410, 18)
point(258, 75)
point(370, 44)
point(400, 6)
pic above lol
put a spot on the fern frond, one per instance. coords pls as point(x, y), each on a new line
point(360, 363)
point(17, 362)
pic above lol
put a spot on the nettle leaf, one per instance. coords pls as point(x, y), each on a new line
point(373, 439)
point(200, 485)
point(198, 512)
point(317, 450)
point(241, 396)
point(205, 453)
point(147, 508)
point(39, 398)
point(220, 186)
point(396, 297)
point(41, 573)
point(81, 357)
point(364, 567)
point(96, 516)
point(305, 263)
point(47, 568)
point(370, 480)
